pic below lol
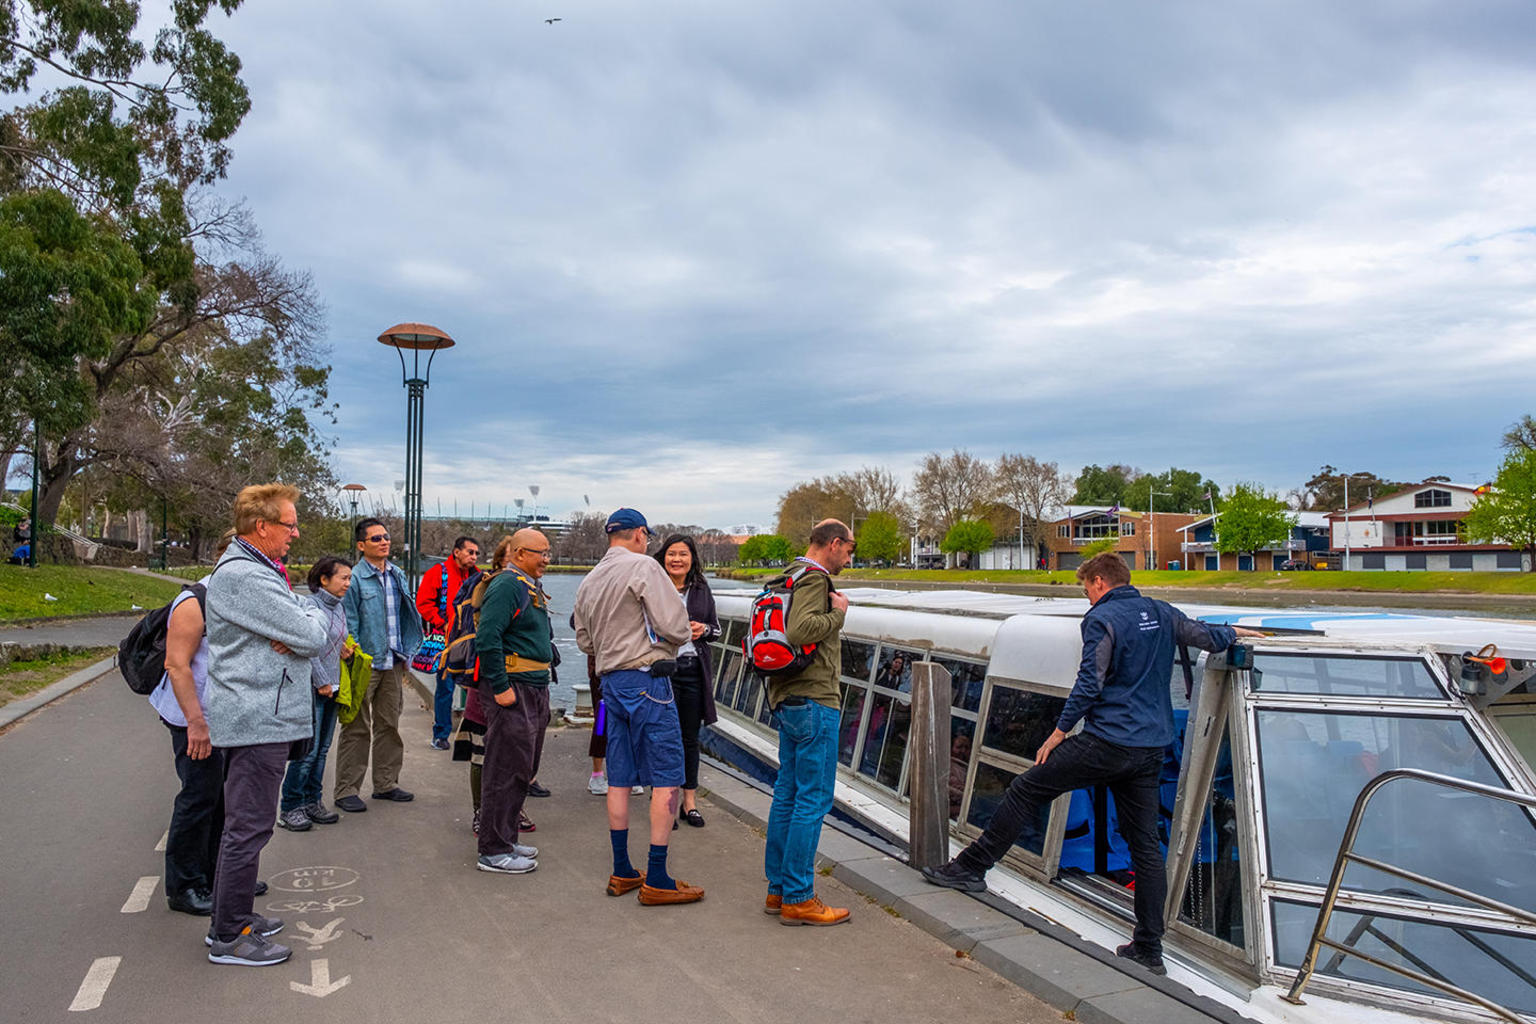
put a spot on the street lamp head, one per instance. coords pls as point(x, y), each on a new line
point(353, 487)
point(416, 338)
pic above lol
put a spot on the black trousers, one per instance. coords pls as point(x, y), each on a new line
point(250, 809)
point(197, 817)
point(688, 693)
point(514, 741)
point(1131, 775)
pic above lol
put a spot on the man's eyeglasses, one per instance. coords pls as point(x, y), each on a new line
point(541, 552)
point(853, 545)
point(377, 538)
point(292, 527)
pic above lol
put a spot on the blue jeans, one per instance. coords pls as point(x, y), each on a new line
point(442, 708)
point(802, 797)
point(303, 783)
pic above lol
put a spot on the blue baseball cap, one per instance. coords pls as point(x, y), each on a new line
point(626, 519)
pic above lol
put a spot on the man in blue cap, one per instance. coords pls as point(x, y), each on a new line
point(629, 620)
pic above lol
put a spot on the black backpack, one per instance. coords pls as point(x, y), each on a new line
point(459, 660)
point(141, 655)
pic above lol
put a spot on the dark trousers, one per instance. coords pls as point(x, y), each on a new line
point(688, 693)
point(1083, 760)
point(442, 708)
point(514, 740)
point(197, 817)
point(250, 808)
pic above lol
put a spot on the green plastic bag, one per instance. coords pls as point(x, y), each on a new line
point(355, 674)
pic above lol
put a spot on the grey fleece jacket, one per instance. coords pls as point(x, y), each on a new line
point(254, 694)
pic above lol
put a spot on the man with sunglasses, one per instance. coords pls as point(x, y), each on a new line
point(806, 705)
point(384, 622)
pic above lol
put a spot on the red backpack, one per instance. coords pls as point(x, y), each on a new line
point(766, 644)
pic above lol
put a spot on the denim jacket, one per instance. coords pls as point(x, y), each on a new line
point(364, 603)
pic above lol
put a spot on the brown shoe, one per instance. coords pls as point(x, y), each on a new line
point(619, 886)
point(812, 911)
point(772, 904)
point(684, 893)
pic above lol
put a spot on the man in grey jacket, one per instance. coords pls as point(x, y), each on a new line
point(257, 702)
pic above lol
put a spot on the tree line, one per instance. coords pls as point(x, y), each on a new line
point(155, 355)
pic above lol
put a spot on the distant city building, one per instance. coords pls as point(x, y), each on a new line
point(1135, 534)
point(1308, 542)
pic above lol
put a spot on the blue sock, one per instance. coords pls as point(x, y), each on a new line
point(656, 870)
point(619, 837)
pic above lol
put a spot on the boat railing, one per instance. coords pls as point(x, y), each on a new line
point(1512, 915)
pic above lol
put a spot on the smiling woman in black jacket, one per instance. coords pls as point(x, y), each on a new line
point(679, 556)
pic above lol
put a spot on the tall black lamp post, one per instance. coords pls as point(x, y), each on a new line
point(415, 339)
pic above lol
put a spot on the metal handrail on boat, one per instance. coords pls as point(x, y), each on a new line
point(1347, 856)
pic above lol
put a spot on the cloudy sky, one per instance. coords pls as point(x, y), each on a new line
point(693, 252)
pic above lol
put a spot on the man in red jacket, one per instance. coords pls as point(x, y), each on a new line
point(439, 584)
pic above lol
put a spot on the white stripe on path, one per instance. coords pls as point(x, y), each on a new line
point(138, 900)
point(94, 988)
point(165, 838)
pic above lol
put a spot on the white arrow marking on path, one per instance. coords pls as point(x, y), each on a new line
point(138, 900)
point(165, 838)
point(94, 987)
point(315, 938)
point(320, 984)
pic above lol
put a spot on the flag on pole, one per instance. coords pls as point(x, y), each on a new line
point(1114, 509)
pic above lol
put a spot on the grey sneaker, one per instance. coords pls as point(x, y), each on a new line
point(507, 863)
point(637, 790)
point(320, 814)
point(597, 785)
point(295, 820)
point(525, 851)
point(248, 950)
point(265, 927)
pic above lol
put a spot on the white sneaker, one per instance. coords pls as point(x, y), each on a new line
point(525, 851)
point(637, 790)
point(507, 864)
point(597, 785)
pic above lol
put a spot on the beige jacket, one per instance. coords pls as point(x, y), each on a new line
point(623, 593)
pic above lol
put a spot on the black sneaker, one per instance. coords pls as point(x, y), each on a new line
point(1134, 953)
point(953, 876)
point(262, 927)
point(248, 950)
point(534, 789)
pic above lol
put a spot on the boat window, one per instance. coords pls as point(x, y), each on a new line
point(1519, 723)
point(858, 659)
point(962, 737)
point(746, 695)
point(1213, 898)
point(1341, 676)
point(1495, 965)
point(885, 743)
point(966, 679)
point(734, 628)
point(725, 689)
point(848, 723)
point(1314, 764)
point(896, 669)
point(987, 795)
point(1018, 721)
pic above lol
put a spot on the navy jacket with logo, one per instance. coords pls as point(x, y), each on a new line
point(1121, 693)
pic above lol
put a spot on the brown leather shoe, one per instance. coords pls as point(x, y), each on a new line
point(772, 904)
point(812, 911)
point(619, 886)
point(684, 893)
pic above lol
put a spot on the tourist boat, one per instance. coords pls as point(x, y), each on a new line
point(1277, 740)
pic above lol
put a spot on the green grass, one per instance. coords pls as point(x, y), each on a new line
point(1375, 582)
point(23, 678)
point(185, 572)
point(80, 590)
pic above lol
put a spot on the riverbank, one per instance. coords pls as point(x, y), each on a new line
point(1495, 594)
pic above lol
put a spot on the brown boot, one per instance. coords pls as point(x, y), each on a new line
point(772, 904)
point(619, 886)
point(812, 911)
point(684, 893)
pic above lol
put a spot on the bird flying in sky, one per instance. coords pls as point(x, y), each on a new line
point(551, 21)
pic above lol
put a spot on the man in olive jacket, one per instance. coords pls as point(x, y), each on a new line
point(515, 646)
point(806, 704)
point(258, 703)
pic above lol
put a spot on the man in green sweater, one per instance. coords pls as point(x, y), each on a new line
point(515, 646)
point(806, 704)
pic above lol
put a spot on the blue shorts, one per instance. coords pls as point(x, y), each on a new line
point(645, 741)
